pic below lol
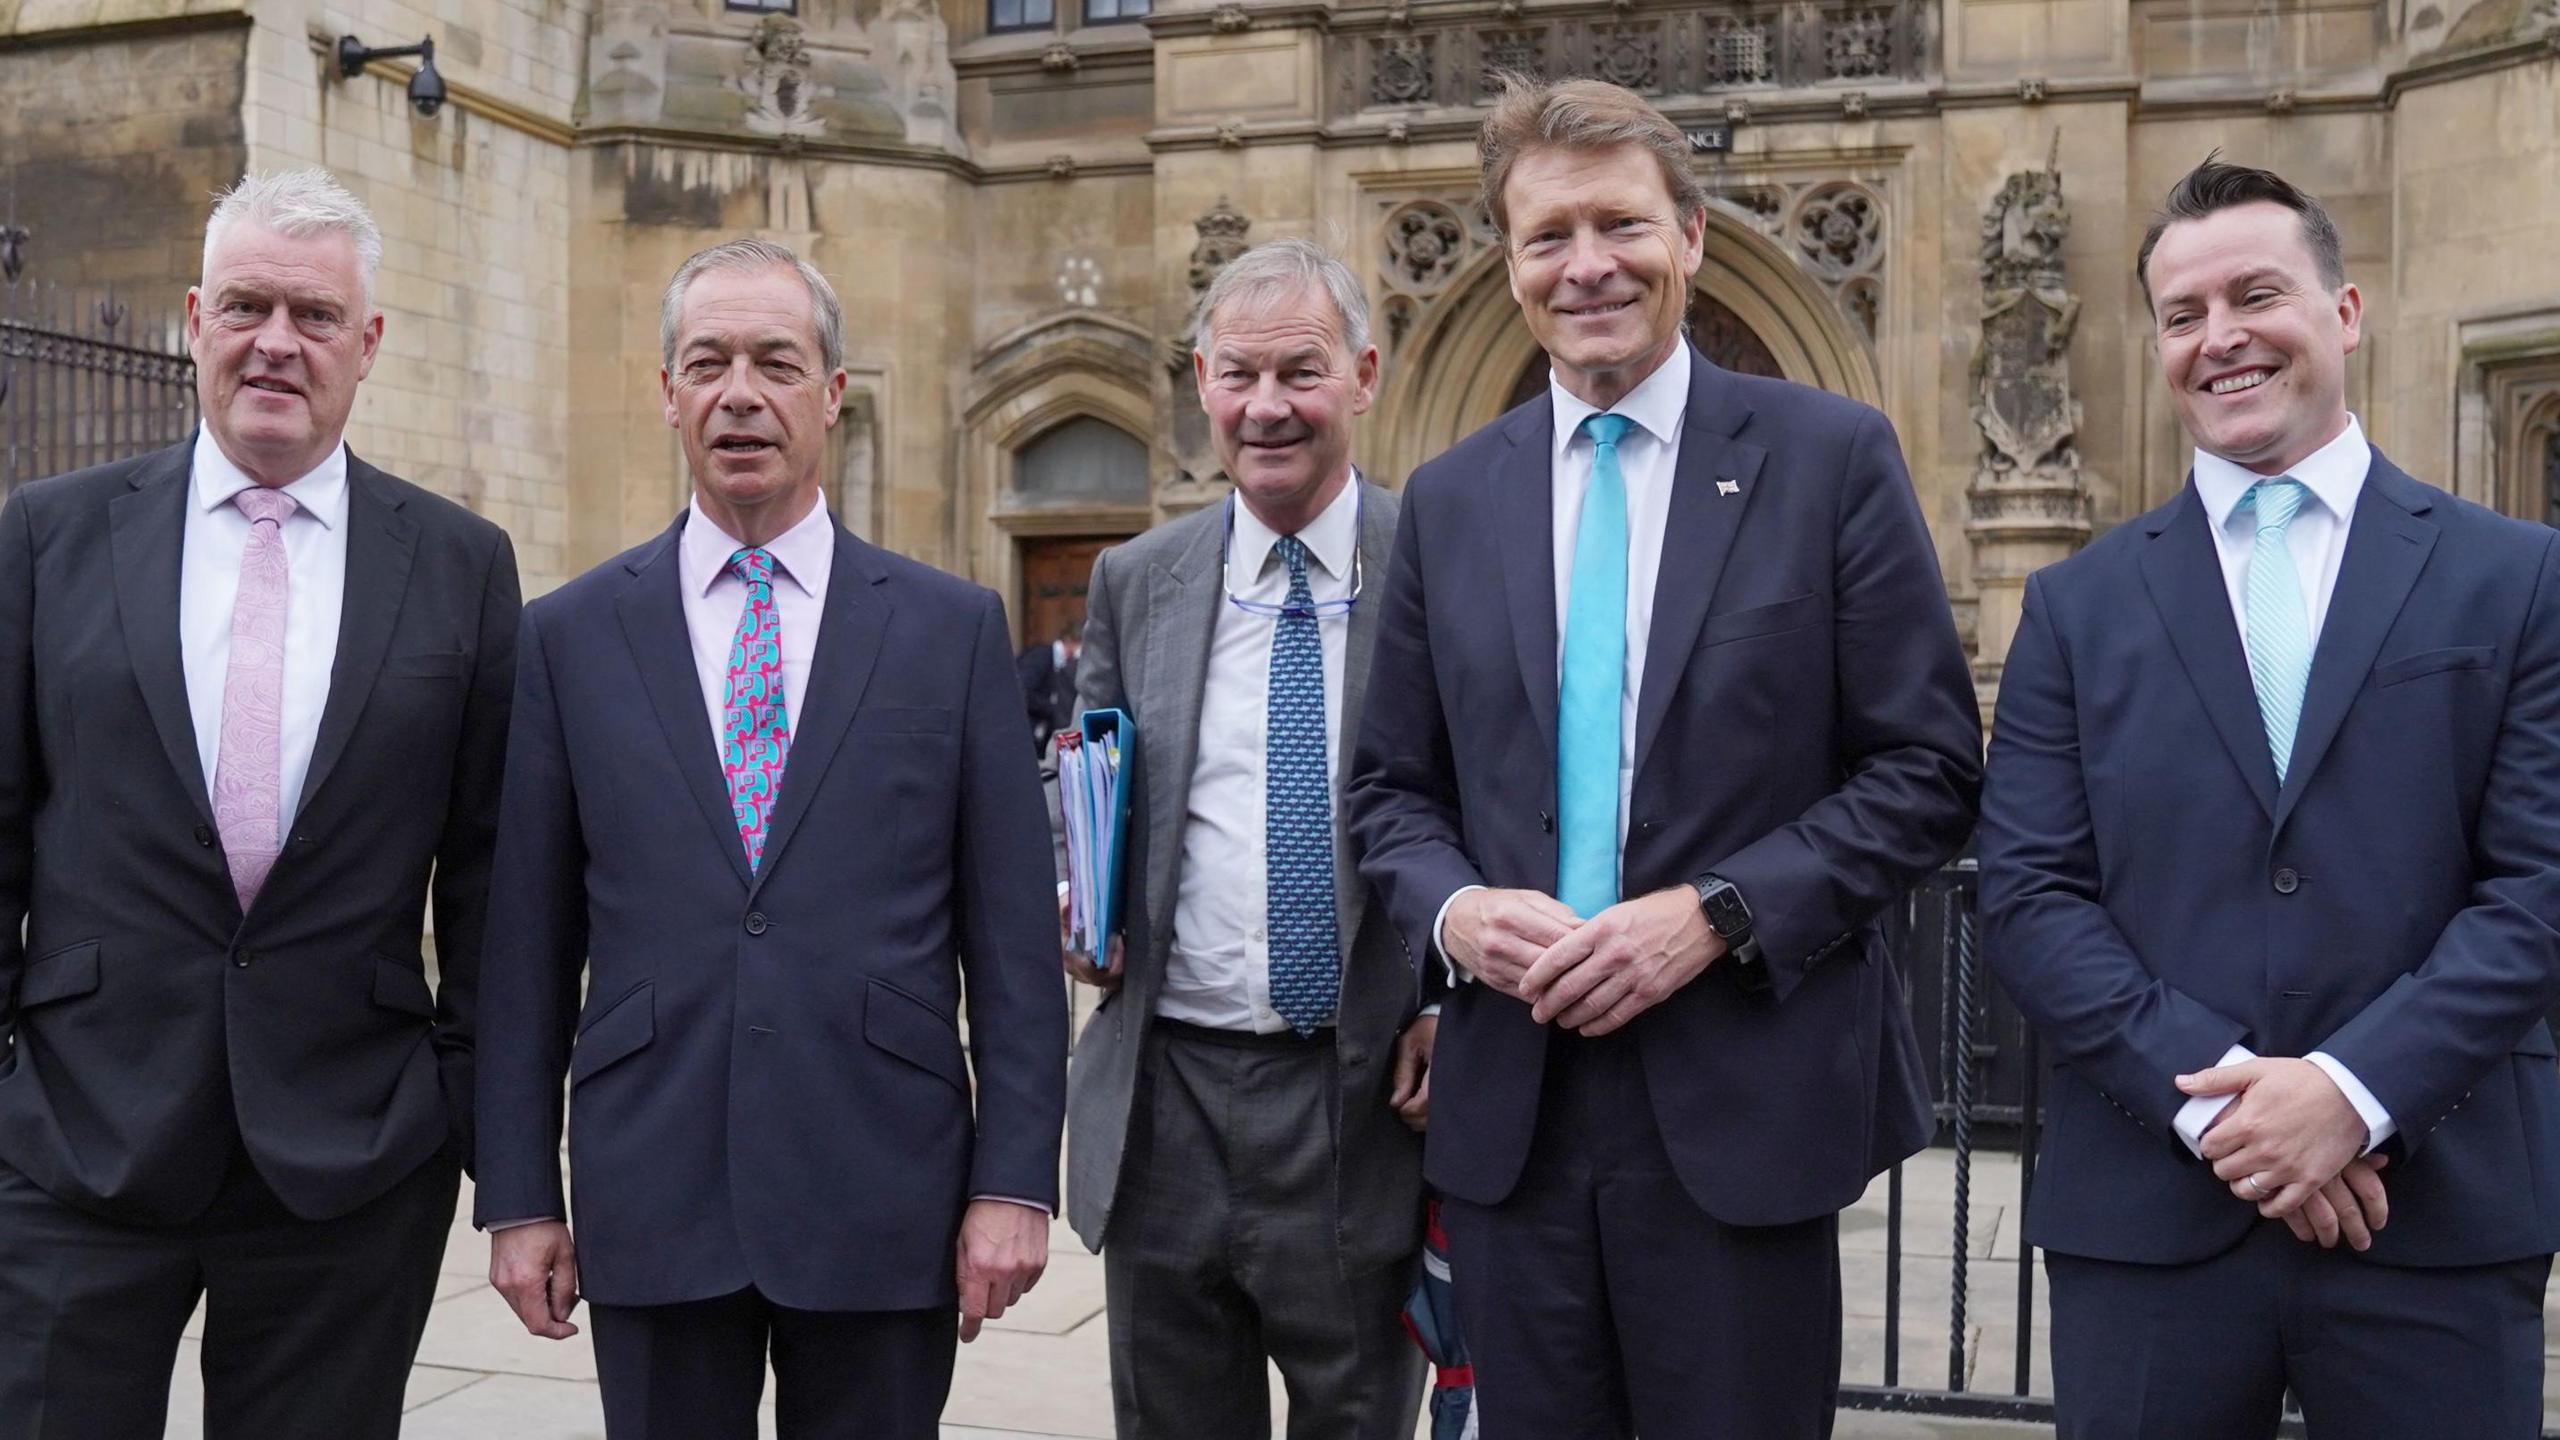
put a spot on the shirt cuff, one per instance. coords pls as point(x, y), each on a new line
point(494, 1226)
point(1013, 1200)
point(1439, 923)
point(2194, 1116)
point(2378, 1124)
point(1430, 1011)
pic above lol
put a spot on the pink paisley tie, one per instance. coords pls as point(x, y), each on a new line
point(247, 795)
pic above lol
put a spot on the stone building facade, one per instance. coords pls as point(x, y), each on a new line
point(1932, 205)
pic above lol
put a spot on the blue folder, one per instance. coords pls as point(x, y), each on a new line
point(1094, 760)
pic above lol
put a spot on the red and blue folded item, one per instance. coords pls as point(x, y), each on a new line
point(1431, 1318)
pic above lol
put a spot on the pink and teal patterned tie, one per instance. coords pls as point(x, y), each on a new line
point(248, 799)
point(755, 723)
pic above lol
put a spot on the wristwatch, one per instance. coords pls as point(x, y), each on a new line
point(1728, 916)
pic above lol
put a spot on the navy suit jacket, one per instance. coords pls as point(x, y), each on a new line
point(2152, 896)
point(766, 1078)
point(1805, 728)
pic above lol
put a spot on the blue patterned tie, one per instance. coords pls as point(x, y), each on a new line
point(1595, 676)
point(2279, 632)
point(1306, 945)
point(755, 717)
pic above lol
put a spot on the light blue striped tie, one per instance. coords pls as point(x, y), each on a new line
point(2279, 630)
point(1595, 675)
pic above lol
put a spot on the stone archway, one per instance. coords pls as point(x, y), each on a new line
point(1460, 366)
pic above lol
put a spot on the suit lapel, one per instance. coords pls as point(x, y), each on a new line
point(853, 624)
point(2387, 547)
point(1376, 542)
point(381, 542)
point(1524, 503)
point(147, 529)
point(1182, 614)
point(1697, 538)
point(2183, 571)
point(652, 611)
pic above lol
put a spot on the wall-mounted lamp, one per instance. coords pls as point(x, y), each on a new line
point(426, 88)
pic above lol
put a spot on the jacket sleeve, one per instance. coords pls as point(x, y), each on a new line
point(463, 852)
point(21, 756)
point(1908, 735)
point(2046, 930)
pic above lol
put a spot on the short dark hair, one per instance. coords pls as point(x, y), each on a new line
point(2219, 185)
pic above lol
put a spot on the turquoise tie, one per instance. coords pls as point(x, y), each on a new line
point(2279, 631)
point(1595, 676)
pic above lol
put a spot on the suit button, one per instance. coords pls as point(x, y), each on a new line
point(1546, 822)
point(755, 922)
point(2287, 882)
point(240, 959)
point(204, 836)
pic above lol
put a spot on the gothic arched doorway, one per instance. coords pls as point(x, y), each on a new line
point(1720, 335)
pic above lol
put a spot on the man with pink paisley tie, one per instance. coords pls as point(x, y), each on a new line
point(253, 706)
point(769, 803)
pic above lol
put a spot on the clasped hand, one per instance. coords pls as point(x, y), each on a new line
point(2291, 1145)
point(1590, 976)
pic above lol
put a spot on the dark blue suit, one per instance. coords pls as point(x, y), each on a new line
point(767, 1075)
point(2152, 896)
point(1805, 729)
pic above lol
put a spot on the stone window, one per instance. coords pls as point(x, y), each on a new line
point(766, 7)
point(1020, 14)
point(1082, 462)
point(1106, 12)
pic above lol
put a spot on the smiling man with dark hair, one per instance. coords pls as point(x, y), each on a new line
point(2271, 856)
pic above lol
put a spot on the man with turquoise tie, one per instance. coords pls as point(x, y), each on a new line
point(1667, 708)
point(767, 807)
point(2271, 857)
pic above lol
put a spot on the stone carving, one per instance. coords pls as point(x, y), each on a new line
point(917, 46)
point(2031, 89)
point(1859, 45)
point(1737, 111)
point(1863, 298)
point(1231, 134)
point(1512, 50)
point(1400, 311)
point(627, 55)
point(1399, 130)
point(1737, 51)
point(1222, 229)
point(1060, 57)
point(1426, 241)
point(1853, 104)
point(1080, 281)
point(1404, 72)
point(2030, 500)
point(2280, 102)
point(1839, 227)
point(1230, 20)
point(1062, 167)
point(781, 98)
point(1507, 10)
point(1624, 56)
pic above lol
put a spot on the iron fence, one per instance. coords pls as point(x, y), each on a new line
point(84, 377)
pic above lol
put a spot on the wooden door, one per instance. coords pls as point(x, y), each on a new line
point(1054, 574)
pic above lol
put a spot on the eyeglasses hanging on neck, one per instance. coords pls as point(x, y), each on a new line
point(1320, 610)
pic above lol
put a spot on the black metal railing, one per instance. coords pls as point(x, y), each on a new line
point(84, 377)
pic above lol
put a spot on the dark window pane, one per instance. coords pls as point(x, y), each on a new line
point(1082, 462)
point(1101, 11)
point(779, 7)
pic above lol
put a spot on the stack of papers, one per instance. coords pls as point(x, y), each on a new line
point(1094, 806)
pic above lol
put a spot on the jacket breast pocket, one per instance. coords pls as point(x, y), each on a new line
point(441, 665)
point(624, 1029)
point(1785, 615)
point(2434, 662)
point(902, 720)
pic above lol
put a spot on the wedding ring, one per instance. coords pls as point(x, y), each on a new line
point(2254, 1187)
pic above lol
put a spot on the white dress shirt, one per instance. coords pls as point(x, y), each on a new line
point(2334, 476)
point(714, 599)
point(1218, 969)
point(315, 552)
point(1648, 455)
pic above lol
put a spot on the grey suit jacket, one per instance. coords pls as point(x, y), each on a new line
point(1149, 615)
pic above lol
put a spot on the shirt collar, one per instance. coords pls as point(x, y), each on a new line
point(805, 553)
point(322, 494)
point(2334, 474)
point(1655, 405)
point(1330, 538)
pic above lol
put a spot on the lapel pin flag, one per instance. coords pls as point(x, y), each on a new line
point(1728, 487)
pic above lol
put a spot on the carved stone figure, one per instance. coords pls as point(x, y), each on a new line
point(781, 98)
point(918, 47)
point(2030, 497)
point(1222, 229)
point(627, 55)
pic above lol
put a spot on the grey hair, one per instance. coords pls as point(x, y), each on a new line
point(1286, 269)
point(299, 204)
point(751, 254)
